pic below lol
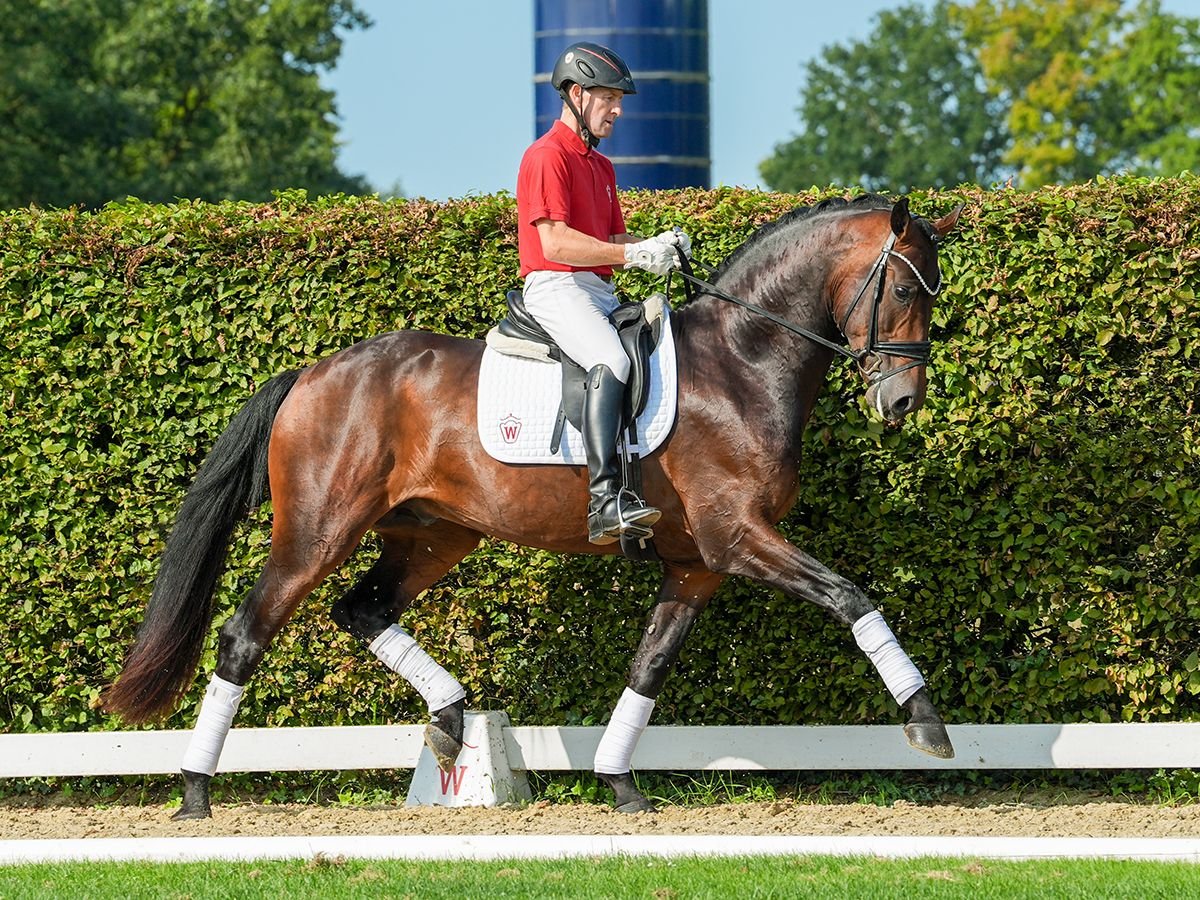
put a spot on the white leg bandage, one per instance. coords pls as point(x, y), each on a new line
point(621, 736)
point(400, 653)
point(216, 715)
point(895, 668)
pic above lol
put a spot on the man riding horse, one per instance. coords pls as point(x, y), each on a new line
point(571, 236)
point(382, 437)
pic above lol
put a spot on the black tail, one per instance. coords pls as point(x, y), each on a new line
point(231, 482)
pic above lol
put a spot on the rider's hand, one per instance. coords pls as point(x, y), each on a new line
point(656, 257)
point(676, 238)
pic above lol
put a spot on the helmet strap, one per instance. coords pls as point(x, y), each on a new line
point(584, 132)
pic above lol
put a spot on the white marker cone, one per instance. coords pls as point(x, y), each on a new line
point(481, 775)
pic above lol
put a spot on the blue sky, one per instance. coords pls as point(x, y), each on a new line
point(438, 96)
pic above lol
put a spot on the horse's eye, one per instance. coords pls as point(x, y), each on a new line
point(903, 292)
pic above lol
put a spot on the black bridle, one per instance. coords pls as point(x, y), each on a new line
point(916, 352)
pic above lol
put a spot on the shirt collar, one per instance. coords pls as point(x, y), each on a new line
point(569, 138)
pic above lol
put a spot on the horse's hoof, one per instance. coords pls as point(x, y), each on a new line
point(444, 747)
point(628, 798)
point(637, 805)
point(195, 797)
point(188, 813)
point(931, 738)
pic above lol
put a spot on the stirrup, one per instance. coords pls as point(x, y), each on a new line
point(633, 522)
point(638, 517)
point(614, 534)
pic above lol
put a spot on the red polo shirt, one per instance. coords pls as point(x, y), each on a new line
point(562, 179)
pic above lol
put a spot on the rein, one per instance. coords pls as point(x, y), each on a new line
point(917, 352)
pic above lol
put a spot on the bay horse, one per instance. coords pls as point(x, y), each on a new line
point(381, 436)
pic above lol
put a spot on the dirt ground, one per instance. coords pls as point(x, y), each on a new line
point(1043, 816)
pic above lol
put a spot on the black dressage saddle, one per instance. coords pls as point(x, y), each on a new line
point(639, 328)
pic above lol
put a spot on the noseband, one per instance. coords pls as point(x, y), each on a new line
point(917, 352)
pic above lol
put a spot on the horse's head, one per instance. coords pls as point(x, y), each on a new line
point(882, 301)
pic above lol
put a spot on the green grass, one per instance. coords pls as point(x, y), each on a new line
point(756, 877)
point(834, 877)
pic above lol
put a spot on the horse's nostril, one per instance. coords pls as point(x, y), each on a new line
point(903, 406)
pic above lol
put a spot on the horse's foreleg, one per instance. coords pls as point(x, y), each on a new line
point(924, 729)
point(682, 596)
point(411, 561)
point(762, 554)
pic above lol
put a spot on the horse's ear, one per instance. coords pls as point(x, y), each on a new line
point(900, 216)
point(948, 222)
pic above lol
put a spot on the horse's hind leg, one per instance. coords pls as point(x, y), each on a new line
point(291, 572)
point(412, 559)
point(684, 593)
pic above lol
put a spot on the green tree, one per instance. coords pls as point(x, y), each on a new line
point(906, 108)
point(212, 99)
point(1092, 86)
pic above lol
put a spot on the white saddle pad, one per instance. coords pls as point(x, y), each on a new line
point(519, 400)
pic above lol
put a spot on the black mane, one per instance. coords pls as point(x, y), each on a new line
point(830, 204)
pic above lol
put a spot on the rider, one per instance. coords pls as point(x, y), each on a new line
point(571, 236)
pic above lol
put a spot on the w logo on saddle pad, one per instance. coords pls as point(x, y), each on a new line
point(510, 429)
point(520, 396)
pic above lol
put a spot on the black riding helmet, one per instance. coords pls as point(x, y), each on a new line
point(589, 66)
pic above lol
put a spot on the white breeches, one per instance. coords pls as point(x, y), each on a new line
point(573, 307)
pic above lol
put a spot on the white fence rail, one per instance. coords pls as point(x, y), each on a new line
point(680, 748)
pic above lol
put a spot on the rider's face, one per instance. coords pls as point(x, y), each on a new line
point(601, 108)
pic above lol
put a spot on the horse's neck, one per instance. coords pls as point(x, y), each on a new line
point(758, 357)
point(786, 277)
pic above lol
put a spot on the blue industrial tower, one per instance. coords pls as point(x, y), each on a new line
point(662, 138)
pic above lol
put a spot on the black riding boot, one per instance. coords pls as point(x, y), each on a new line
point(612, 511)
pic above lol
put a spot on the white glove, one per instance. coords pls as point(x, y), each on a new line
point(677, 238)
point(654, 256)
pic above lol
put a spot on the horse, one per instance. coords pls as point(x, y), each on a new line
point(381, 436)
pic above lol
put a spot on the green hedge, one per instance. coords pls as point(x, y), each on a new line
point(1033, 535)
